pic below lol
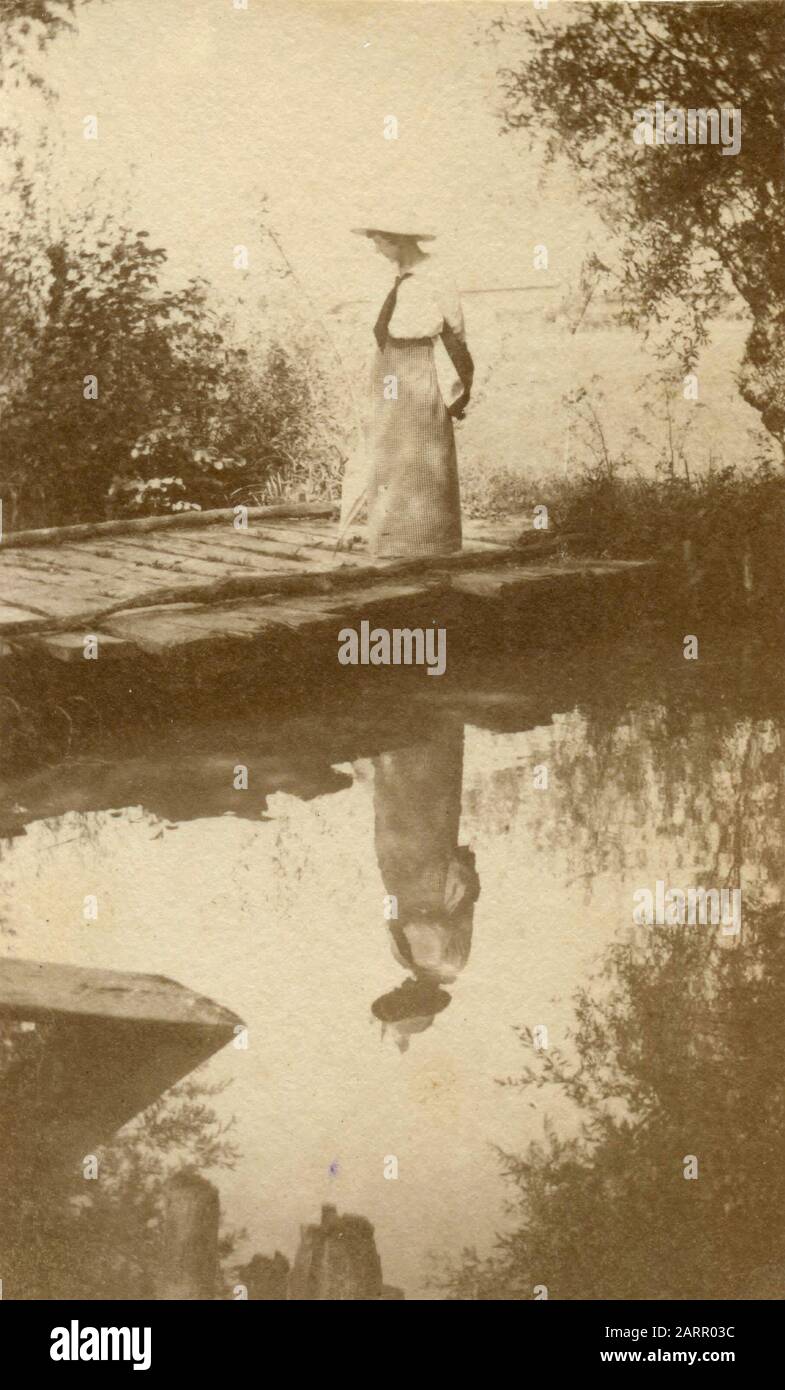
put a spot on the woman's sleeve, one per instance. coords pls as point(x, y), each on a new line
point(452, 313)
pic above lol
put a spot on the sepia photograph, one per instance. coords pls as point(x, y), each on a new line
point(392, 550)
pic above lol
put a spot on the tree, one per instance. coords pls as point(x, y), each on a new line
point(27, 27)
point(119, 394)
point(690, 219)
point(122, 395)
point(678, 1047)
point(115, 379)
point(64, 1237)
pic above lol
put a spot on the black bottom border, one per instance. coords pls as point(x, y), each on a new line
point(225, 1338)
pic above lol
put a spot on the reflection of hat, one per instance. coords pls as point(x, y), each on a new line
point(415, 1002)
point(394, 226)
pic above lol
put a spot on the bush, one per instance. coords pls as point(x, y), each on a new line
point(124, 397)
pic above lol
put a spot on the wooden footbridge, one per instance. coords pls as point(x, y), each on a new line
point(157, 584)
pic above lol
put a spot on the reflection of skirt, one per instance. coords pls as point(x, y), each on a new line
point(417, 804)
point(414, 504)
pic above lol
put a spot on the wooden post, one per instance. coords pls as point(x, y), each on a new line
point(189, 1266)
point(266, 1279)
point(337, 1260)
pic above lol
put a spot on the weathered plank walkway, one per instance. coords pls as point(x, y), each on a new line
point(162, 583)
point(85, 1050)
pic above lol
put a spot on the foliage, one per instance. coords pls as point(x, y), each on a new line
point(702, 778)
point(718, 532)
point(116, 1229)
point(691, 221)
point(677, 1050)
point(102, 1239)
point(183, 416)
point(27, 27)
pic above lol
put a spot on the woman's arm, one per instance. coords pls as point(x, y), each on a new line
point(452, 313)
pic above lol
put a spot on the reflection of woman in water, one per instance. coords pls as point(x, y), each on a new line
point(417, 798)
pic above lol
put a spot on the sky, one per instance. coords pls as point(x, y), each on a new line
point(214, 122)
point(203, 110)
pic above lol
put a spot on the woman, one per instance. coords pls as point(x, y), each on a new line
point(417, 802)
point(421, 380)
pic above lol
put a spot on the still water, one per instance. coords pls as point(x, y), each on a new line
point(512, 813)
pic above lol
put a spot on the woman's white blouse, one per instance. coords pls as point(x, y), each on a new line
point(426, 299)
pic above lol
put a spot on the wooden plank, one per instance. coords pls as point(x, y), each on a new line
point(58, 535)
point(321, 527)
point(501, 711)
point(482, 584)
point(158, 629)
point(295, 545)
point(200, 548)
point(258, 537)
point(224, 553)
point(96, 581)
point(361, 602)
point(318, 558)
point(212, 560)
point(327, 558)
point(201, 561)
point(499, 531)
point(54, 597)
point(107, 1045)
point(231, 549)
point(10, 615)
point(31, 989)
point(134, 555)
point(259, 550)
point(116, 575)
point(36, 561)
point(69, 646)
point(29, 574)
point(296, 617)
point(497, 583)
point(138, 562)
point(297, 536)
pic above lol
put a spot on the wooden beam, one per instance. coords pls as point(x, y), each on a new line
point(31, 989)
point(514, 579)
point(69, 646)
point(87, 1050)
point(58, 535)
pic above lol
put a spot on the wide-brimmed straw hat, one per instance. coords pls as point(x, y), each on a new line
point(394, 227)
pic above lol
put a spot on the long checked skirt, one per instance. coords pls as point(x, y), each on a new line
point(414, 505)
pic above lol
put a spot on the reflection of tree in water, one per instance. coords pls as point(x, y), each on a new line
point(68, 1237)
point(679, 1051)
point(707, 785)
point(710, 789)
